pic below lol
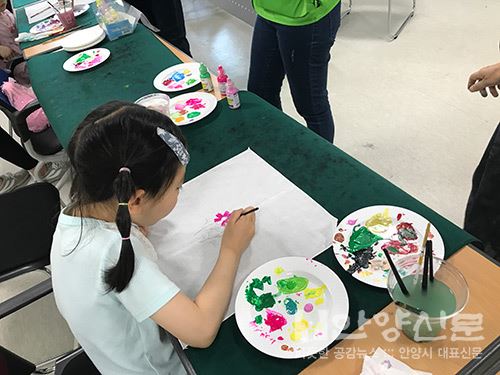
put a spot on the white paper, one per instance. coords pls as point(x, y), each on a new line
point(33, 11)
point(288, 222)
point(381, 363)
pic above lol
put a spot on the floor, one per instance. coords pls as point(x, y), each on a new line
point(400, 107)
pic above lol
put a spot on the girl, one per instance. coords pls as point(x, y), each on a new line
point(129, 164)
point(9, 49)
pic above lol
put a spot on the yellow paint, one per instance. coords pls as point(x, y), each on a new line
point(296, 336)
point(279, 270)
point(301, 325)
point(378, 223)
point(319, 301)
point(314, 292)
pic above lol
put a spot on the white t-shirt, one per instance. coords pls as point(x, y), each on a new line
point(114, 329)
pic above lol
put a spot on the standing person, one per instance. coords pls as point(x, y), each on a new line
point(482, 216)
point(294, 38)
point(168, 16)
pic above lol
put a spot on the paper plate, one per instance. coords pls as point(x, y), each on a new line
point(178, 77)
point(191, 107)
point(291, 307)
point(398, 229)
point(86, 59)
point(78, 10)
point(83, 39)
point(51, 25)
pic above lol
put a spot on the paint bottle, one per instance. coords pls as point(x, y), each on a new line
point(233, 98)
point(222, 80)
point(206, 80)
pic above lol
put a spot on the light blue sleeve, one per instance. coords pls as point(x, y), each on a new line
point(148, 290)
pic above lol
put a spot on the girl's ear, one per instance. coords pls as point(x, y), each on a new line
point(136, 201)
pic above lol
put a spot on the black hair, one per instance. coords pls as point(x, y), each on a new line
point(120, 135)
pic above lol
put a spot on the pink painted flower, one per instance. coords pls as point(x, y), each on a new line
point(222, 218)
point(352, 221)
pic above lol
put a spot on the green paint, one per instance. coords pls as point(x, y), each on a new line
point(292, 284)
point(264, 300)
point(193, 114)
point(82, 58)
point(362, 238)
point(190, 81)
point(290, 305)
point(258, 319)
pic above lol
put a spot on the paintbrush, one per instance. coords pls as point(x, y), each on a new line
point(425, 274)
point(431, 262)
point(408, 307)
point(249, 211)
point(53, 7)
point(396, 274)
point(422, 252)
point(40, 12)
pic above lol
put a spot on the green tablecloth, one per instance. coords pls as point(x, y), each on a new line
point(21, 3)
point(128, 74)
point(332, 178)
point(85, 20)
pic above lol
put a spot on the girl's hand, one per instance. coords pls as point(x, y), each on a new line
point(239, 232)
point(6, 52)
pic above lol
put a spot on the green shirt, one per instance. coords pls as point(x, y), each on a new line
point(294, 12)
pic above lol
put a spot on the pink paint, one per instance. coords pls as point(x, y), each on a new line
point(223, 218)
point(222, 80)
point(352, 221)
point(274, 320)
point(308, 307)
point(280, 338)
point(179, 106)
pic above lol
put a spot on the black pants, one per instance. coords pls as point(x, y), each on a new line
point(167, 15)
point(482, 217)
point(13, 152)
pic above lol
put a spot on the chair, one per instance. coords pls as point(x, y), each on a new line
point(43, 146)
point(27, 248)
point(389, 18)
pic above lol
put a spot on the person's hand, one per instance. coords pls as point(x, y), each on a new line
point(487, 77)
point(239, 231)
point(6, 53)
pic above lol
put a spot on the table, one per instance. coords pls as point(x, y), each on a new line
point(334, 179)
point(85, 20)
point(483, 299)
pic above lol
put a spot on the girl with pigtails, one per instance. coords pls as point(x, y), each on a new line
point(129, 164)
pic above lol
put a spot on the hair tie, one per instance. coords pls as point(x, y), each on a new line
point(125, 238)
point(124, 169)
point(123, 204)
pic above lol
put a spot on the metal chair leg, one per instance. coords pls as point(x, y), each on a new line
point(389, 16)
point(347, 11)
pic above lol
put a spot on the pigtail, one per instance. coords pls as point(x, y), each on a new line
point(119, 276)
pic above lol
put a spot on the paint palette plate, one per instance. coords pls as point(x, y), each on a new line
point(86, 59)
point(178, 77)
point(361, 236)
point(188, 108)
point(51, 26)
point(291, 307)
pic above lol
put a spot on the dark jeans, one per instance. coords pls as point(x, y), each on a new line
point(482, 217)
point(168, 16)
point(13, 152)
point(302, 53)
